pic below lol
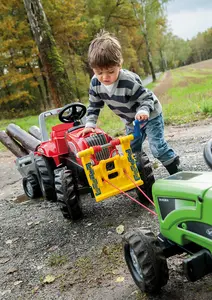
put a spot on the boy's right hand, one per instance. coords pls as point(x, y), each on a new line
point(87, 130)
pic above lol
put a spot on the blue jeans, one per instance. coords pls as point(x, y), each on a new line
point(154, 131)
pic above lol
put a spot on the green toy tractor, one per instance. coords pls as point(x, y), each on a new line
point(183, 203)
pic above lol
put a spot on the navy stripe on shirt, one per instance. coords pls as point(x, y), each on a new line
point(124, 109)
point(121, 99)
point(99, 104)
point(91, 92)
point(125, 84)
point(138, 93)
point(95, 82)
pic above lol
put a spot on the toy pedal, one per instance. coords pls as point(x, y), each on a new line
point(113, 170)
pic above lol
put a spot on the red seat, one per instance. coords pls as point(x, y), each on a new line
point(60, 129)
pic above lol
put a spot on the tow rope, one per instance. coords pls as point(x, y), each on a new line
point(130, 197)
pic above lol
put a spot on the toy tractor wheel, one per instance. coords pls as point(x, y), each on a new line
point(67, 194)
point(146, 174)
point(46, 178)
point(31, 186)
point(146, 261)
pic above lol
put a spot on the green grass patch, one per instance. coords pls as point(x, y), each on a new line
point(190, 98)
point(27, 122)
point(110, 122)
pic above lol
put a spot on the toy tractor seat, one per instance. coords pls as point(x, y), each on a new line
point(59, 130)
point(58, 134)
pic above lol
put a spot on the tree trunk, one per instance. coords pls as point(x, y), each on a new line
point(146, 39)
point(58, 82)
point(45, 83)
point(163, 60)
point(12, 145)
point(35, 131)
point(27, 140)
point(144, 32)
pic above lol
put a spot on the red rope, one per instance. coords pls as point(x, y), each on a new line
point(133, 199)
point(136, 185)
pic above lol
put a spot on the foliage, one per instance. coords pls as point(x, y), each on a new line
point(19, 72)
point(201, 46)
point(140, 25)
point(177, 51)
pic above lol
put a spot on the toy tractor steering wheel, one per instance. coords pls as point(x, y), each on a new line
point(208, 153)
point(72, 112)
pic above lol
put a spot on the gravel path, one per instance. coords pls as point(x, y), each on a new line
point(84, 260)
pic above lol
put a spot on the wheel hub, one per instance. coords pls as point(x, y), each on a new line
point(135, 263)
point(29, 188)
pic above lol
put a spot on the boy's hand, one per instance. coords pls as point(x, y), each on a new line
point(141, 117)
point(87, 130)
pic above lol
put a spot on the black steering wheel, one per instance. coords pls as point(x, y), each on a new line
point(72, 112)
point(208, 153)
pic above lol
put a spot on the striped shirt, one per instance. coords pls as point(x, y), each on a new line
point(126, 99)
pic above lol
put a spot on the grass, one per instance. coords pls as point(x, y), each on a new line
point(27, 122)
point(110, 122)
point(190, 98)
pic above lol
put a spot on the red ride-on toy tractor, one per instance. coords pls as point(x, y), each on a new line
point(67, 165)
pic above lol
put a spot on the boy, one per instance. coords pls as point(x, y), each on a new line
point(124, 94)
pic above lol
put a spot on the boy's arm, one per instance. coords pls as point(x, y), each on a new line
point(145, 98)
point(94, 107)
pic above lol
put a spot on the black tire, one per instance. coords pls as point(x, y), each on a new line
point(67, 194)
point(31, 186)
point(46, 178)
point(146, 261)
point(208, 153)
point(146, 174)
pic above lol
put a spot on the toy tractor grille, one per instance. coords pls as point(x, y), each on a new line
point(99, 139)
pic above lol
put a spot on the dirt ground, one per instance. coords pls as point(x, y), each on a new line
point(85, 259)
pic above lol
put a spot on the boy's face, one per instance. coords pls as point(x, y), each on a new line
point(107, 76)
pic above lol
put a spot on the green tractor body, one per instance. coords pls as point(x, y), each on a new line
point(184, 204)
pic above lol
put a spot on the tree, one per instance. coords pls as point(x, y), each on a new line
point(19, 76)
point(70, 30)
point(59, 85)
point(149, 14)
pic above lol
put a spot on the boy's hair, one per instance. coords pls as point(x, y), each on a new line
point(104, 51)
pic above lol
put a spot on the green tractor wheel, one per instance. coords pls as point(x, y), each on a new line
point(146, 261)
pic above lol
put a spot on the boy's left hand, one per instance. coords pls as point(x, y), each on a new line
point(141, 117)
